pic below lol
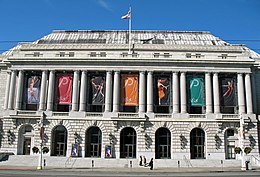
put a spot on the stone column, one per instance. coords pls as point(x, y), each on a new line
point(83, 91)
point(42, 106)
point(116, 91)
point(175, 92)
point(240, 93)
point(108, 98)
point(216, 93)
point(12, 90)
point(249, 102)
point(75, 91)
point(142, 92)
point(7, 89)
point(150, 91)
point(51, 91)
point(183, 91)
point(208, 94)
point(19, 94)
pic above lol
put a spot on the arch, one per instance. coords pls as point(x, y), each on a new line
point(162, 143)
point(59, 141)
point(197, 143)
point(128, 143)
point(25, 140)
point(93, 142)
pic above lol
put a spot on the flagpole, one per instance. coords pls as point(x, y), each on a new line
point(130, 26)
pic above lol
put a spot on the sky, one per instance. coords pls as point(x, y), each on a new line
point(235, 21)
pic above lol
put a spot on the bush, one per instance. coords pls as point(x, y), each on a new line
point(238, 150)
point(45, 150)
point(247, 150)
point(35, 149)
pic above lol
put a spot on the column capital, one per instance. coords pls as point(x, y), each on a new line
point(117, 71)
point(142, 71)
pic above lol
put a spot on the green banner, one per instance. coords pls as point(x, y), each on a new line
point(196, 96)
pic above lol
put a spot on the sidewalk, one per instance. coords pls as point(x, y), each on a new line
point(134, 170)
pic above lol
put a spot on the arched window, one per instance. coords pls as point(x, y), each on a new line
point(162, 144)
point(59, 141)
point(128, 143)
point(93, 142)
point(197, 144)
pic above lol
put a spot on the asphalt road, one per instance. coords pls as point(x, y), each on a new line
point(46, 173)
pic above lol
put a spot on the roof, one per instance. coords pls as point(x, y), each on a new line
point(137, 37)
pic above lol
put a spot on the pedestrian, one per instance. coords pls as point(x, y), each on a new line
point(141, 161)
point(145, 161)
point(151, 164)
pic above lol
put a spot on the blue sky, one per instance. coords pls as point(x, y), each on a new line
point(236, 21)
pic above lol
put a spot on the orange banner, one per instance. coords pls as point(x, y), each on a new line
point(129, 94)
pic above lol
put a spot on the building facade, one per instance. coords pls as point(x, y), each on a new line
point(171, 95)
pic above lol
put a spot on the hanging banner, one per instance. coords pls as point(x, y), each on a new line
point(196, 96)
point(33, 89)
point(164, 91)
point(64, 89)
point(227, 92)
point(129, 94)
point(98, 89)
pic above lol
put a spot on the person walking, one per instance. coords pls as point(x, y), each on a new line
point(151, 164)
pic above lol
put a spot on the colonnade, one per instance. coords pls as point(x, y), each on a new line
point(14, 91)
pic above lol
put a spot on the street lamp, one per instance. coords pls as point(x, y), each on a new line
point(39, 167)
point(241, 142)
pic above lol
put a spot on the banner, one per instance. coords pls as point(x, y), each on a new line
point(164, 90)
point(64, 89)
point(129, 94)
point(227, 92)
point(33, 89)
point(196, 96)
point(98, 89)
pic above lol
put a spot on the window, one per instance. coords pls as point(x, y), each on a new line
point(224, 56)
point(124, 54)
point(71, 54)
point(36, 54)
point(197, 144)
point(93, 142)
point(62, 54)
point(128, 143)
point(198, 55)
point(188, 55)
point(103, 54)
point(59, 141)
point(93, 54)
point(162, 144)
point(156, 55)
point(166, 55)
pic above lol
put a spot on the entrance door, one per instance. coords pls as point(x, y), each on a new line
point(128, 143)
point(27, 146)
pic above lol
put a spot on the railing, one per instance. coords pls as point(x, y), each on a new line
point(187, 161)
point(60, 114)
point(255, 160)
point(124, 115)
point(70, 162)
point(196, 116)
point(163, 116)
point(94, 114)
point(230, 116)
point(26, 112)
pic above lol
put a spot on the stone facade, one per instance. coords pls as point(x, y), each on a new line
point(178, 56)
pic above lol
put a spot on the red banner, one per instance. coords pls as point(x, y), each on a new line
point(64, 89)
point(129, 96)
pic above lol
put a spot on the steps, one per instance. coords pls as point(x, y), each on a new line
point(71, 162)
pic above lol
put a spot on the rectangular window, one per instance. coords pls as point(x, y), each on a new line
point(156, 55)
point(198, 55)
point(103, 54)
point(93, 54)
point(124, 54)
point(224, 56)
point(166, 55)
point(188, 55)
point(36, 54)
point(71, 54)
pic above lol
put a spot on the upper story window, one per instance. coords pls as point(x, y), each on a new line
point(156, 55)
point(188, 55)
point(166, 55)
point(103, 54)
point(93, 54)
point(124, 54)
point(224, 56)
point(198, 55)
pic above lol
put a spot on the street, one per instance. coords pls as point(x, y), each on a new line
point(78, 173)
